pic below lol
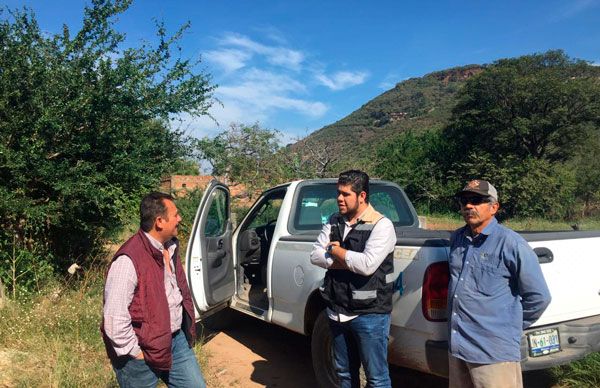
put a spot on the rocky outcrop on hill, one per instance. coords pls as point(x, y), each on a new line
point(416, 104)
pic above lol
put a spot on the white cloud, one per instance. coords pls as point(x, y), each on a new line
point(595, 63)
point(342, 79)
point(229, 59)
point(263, 91)
point(291, 135)
point(223, 116)
point(273, 34)
point(275, 55)
point(263, 79)
point(313, 109)
point(255, 98)
point(574, 7)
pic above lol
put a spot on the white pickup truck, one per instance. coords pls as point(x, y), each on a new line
point(263, 269)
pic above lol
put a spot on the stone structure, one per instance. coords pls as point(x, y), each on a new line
point(179, 185)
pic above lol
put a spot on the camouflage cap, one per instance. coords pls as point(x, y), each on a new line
point(480, 187)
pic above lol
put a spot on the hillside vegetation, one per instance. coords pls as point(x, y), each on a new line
point(417, 104)
point(530, 125)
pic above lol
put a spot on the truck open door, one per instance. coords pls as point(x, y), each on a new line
point(209, 258)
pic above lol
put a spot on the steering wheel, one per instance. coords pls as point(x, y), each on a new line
point(268, 226)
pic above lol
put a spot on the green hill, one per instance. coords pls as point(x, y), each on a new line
point(416, 104)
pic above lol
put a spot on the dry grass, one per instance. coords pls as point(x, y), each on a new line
point(454, 221)
point(53, 340)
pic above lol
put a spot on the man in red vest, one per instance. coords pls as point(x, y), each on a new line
point(148, 323)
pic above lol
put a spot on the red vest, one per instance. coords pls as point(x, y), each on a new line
point(149, 308)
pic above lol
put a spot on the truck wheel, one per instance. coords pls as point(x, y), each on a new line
point(322, 353)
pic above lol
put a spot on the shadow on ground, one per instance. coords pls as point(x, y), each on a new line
point(286, 360)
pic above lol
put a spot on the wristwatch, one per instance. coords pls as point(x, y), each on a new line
point(329, 248)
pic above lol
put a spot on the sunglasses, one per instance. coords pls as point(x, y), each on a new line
point(463, 201)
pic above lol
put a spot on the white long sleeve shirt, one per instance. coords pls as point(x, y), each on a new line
point(381, 242)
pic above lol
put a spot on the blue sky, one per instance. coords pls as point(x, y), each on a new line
point(298, 65)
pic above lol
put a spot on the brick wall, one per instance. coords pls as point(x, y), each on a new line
point(179, 184)
point(176, 183)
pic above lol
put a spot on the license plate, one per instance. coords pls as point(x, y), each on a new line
point(543, 342)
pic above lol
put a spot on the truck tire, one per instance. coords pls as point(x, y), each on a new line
point(322, 353)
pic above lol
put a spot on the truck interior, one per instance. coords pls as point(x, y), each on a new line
point(254, 242)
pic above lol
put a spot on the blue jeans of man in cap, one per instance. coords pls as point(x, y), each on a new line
point(362, 339)
point(184, 373)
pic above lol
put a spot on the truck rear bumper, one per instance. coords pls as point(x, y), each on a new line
point(578, 338)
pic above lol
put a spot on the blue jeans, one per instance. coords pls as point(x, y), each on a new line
point(185, 371)
point(362, 339)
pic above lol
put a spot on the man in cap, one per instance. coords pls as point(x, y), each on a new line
point(496, 290)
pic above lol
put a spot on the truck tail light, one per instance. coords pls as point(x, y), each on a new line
point(435, 292)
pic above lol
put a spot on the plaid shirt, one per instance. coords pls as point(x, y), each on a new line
point(121, 283)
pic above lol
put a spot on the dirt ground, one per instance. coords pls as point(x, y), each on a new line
point(250, 353)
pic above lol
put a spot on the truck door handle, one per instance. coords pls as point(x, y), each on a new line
point(544, 255)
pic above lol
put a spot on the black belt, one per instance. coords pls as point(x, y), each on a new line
point(173, 334)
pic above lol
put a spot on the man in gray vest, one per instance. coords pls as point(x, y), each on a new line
point(356, 247)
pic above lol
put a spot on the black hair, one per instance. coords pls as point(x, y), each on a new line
point(358, 180)
point(153, 206)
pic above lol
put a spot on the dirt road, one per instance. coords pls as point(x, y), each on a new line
point(250, 353)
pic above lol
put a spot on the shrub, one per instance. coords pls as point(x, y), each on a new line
point(85, 132)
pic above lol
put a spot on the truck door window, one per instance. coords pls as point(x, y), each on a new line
point(216, 222)
point(267, 213)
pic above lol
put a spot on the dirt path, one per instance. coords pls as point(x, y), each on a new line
point(251, 353)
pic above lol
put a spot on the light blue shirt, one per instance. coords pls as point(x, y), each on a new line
point(496, 290)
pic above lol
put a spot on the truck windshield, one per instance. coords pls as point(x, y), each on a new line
point(316, 203)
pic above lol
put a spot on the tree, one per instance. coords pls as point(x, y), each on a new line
point(242, 154)
point(308, 159)
point(411, 160)
point(538, 106)
point(525, 117)
point(84, 127)
point(586, 166)
point(526, 188)
point(253, 156)
point(184, 166)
